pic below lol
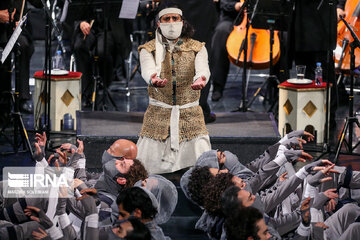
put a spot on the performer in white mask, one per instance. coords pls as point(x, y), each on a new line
point(176, 68)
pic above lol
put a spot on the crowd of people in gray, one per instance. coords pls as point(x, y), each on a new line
point(266, 199)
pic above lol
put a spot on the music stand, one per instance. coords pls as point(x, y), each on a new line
point(351, 119)
point(272, 15)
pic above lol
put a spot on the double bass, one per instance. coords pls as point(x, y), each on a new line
point(258, 53)
point(344, 38)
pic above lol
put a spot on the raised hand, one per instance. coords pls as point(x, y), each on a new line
point(305, 211)
point(199, 83)
point(327, 167)
point(297, 155)
point(62, 157)
point(294, 143)
point(41, 139)
point(158, 82)
point(319, 177)
point(331, 193)
point(71, 148)
point(39, 153)
point(40, 234)
point(80, 148)
point(330, 206)
point(321, 225)
point(39, 216)
point(40, 146)
point(283, 177)
point(308, 136)
point(301, 133)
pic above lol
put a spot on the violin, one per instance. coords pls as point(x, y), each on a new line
point(344, 38)
point(258, 53)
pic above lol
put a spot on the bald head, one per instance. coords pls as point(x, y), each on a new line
point(123, 148)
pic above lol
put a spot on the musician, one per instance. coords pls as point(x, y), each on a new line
point(219, 62)
point(312, 33)
point(25, 48)
point(88, 41)
point(176, 68)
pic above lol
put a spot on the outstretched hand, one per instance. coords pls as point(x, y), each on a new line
point(158, 82)
point(80, 148)
point(308, 136)
point(41, 139)
point(301, 133)
point(38, 215)
point(331, 205)
point(199, 83)
point(41, 234)
point(294, 142)
point(40, 146)
point(297, 155)
point(283, 177)
point(305, 211)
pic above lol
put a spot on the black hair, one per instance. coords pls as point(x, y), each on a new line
point(213, 192)
point(136, 198)
point(136, 172)
point(140, 232)
point(230, 201)
point(242, 223)
point(187, 30)
point(200, 176)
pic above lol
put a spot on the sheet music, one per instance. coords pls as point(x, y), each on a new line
point(129, 9)
point(12, 40)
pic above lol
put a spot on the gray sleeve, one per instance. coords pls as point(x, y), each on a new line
point(69, 232)
point(317, 233)
point(184, 183)
point(264, 158)
point(21, 231)
point(272, 197)
point(260, 177)
point(15, 212)
point(352, 232)
point(319, 201)
point(234, 166)
point(286, 222)
point(355, 179)
point(75, 207)
point(156, 232)
point(78, 162)
point(91, 222)
point(64, 220)
point(80, 173)
point(302, 233)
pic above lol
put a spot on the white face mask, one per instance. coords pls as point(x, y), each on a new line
point(171, 30)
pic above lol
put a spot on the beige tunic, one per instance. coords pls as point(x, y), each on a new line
point(155, 146)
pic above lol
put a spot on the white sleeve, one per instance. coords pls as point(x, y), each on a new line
point(147, 63)
point(202, 65)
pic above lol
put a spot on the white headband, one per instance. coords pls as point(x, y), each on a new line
point(170, 10)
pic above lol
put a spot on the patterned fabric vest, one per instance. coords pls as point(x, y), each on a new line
point(179, 68)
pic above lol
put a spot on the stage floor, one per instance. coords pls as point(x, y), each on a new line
point(128, 124)
point(246, 134)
